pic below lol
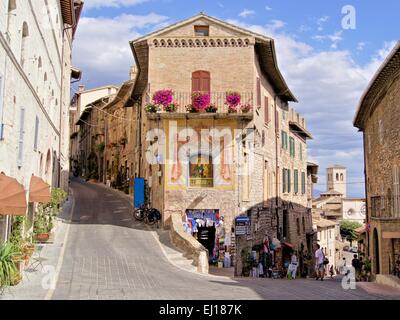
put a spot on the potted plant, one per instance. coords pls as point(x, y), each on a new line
point(7, 265)
point(211, 109)
point(171, 107)
point(233, 98)
point(245, 108)
point(163, 97)
point(200, 101)
point(191, 109)
point(151, 108)
point(232, 109)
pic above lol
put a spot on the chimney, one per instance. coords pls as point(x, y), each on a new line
point(133, 73)
point(81, 88)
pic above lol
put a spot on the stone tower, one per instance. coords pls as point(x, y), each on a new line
point(336, 179)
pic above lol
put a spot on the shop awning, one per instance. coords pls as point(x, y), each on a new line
point(39, 191)
point(12, 197)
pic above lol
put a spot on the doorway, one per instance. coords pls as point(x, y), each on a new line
point(376, 252)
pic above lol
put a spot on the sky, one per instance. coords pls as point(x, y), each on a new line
point(326, 64)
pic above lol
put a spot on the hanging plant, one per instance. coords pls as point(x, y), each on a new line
point(200, 101)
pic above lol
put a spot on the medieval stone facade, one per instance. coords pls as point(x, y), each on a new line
point(378, 118)
point(35, 74)
point(266, 176)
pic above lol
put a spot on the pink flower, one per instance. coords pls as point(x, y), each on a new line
point(233, 98)
point(163, 97)
point(200, 101)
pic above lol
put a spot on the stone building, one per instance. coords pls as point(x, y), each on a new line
point(35, 74)
point(246, 155)
point(378, 118)
point(79, 102)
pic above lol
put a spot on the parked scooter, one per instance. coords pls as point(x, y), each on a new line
point(150, 216)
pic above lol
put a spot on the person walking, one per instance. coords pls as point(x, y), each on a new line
point(331, 271)
point(319, 263)
point(356, 265)
point(293, 266)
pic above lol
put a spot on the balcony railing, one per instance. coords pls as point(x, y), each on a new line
point(217, 99)
point(385, 206)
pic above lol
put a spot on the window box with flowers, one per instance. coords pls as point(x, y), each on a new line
point(172, 107)
point(151, 108)
point(200, 101)
point(232, 100)
point(212, 108)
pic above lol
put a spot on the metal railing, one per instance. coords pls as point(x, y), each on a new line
point(385, 206)
point(217, 99)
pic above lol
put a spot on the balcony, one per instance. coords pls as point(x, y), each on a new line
point(298, 124)
point(218, 100)
point(385, 207)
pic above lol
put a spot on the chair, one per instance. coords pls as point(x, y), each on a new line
point(37, 258)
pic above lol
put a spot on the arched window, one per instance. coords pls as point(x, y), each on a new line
point(201, 171)
point(341, 177)
point(201, 81)
point(45, 77)
point(25, 35)
point(40, 64)
point(337, 176)
point(12, 5)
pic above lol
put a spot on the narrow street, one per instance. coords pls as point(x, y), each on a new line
point(109, 255)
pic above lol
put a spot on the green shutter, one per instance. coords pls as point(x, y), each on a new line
point(283, 180)
point(296, 181)
point(289, 181)
point(283, 139)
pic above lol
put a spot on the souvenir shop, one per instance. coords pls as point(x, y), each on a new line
point(269, 259)
point(207, 226)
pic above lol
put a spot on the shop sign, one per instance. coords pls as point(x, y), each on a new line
point(242, 226)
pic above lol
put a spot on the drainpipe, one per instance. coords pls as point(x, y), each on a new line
point(276, 164)
point(366, 196)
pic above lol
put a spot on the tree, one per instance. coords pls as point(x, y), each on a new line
point(347, 229)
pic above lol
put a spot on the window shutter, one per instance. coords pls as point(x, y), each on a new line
point(201, 81)
point(258, 92)
point(289, 178)
point(283, 180)
point(35, 144)
point(21, 137)
point(303, 182)
point(266, 110)
point(283, 139)
point(296, 181)
point(301, 151)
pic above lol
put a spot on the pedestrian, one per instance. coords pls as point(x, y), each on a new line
point(356, 265)
point(319, 263)
point(331, 271)
point(343, 266)
point(293, 266)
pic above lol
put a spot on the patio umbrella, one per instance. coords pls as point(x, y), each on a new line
point(39, 191)
point(12, 197)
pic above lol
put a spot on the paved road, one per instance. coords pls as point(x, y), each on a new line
point(108, 255)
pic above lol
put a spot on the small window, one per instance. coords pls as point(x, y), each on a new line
point(202, 31)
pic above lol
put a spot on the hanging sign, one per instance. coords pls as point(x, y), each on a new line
point(242, 225)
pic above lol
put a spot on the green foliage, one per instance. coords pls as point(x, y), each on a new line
point(347, 229)
point(100, 147)
point(8, 268)
point(16, 234)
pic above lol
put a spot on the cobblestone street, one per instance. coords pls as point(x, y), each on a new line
point(109, 255)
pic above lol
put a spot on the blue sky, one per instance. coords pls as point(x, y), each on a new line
point(326, 66)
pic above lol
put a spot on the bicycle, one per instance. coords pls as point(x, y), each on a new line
point(150, 216)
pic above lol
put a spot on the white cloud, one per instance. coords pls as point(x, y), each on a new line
point(361, 46)
point(101, 48)
point(328, 85)
point(276, 25)
point(335, 38)
point(268, 8)
point(89, 4)
point(321, 21)
point(246, 13)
